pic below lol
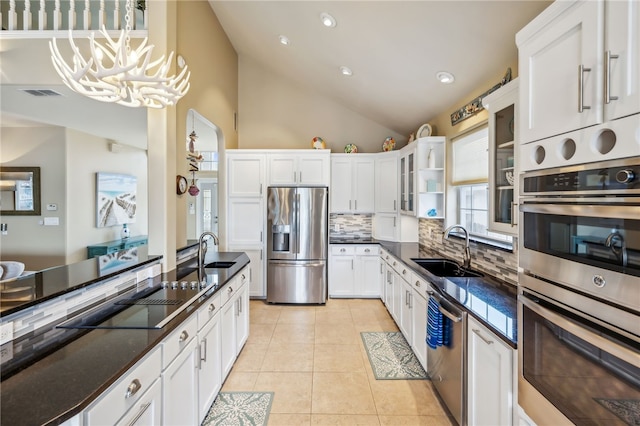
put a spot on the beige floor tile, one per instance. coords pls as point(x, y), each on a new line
point(376, 325)
point(260, 333)
point(293, 333)
point(344, 419)
point(405, 398)
point(337, 358)
point(256, 304)
point(292, 391)
point(289, 357)
point(263, 316)
point(343, 334)
point(415, 421)
point(240, 381)
point(289, 419)
point(363, 315)
point(251, 357)
point(333, 316)
point(342, 393)
point(334, 304)
point(297, 316)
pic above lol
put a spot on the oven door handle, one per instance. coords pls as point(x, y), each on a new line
point(583, 210)
point(618, 351)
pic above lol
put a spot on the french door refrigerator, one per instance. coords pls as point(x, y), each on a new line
point(297, 243)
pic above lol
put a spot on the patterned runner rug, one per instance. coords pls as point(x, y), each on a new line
point(240, 408)
point(391, 357)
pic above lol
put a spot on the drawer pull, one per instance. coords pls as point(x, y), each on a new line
point(230, 290)
point(367, 250)
point(395, 263)
point(183, 336)
point(133, 388)
point(243, 277)
point(212, 307)
point(477, 332)
point(143, 408)
point(404, 271)
point(417, 283)
point(203, 350)
point(342, 250)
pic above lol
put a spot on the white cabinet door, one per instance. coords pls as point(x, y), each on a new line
point(148, 410)
point(283, 169)
point(556, 95)
point(228, 336)
point(340, 185)
point(406, 314)
point(242, 314)
point(341, 275)
point(245, 222)
point(490, 377)
point(622, 58)
point(314, 170)
point(385, 227)
point(179, 382)
point(419, 326)
point(210, 363)
point(363, 187)
point(245, 174)
point(386, 195)
point(257, 287)
point(368, 276)
point(389, 275)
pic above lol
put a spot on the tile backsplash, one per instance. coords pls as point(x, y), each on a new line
point(501, 264)
point(350, 225)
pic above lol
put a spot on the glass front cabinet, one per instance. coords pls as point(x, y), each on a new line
point(502, 106)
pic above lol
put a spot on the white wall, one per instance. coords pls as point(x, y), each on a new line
point(87, 155)
point(27, 241)
point(275, 113)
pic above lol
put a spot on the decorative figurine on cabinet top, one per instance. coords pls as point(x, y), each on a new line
point(318, 143)
point(388, 144)
point(351, 148)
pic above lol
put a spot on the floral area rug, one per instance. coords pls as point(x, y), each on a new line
point(240, 408)
point(391, 356)
point(627, 409)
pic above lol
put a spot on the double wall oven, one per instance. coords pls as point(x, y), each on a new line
point(579, 294)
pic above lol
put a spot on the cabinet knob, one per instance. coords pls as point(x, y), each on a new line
point(243, 277)
point(342, 250)
point(417, 283)
point(183, 336)
point(230, 290)
point(211, 308)
point(395, 263)
point(367, 250)
point(404, 271)
point(133, 388)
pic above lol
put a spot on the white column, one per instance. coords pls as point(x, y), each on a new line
point(42, 17)
point(12, 19)
point(57, 16)
point(27, 18)
point(72, 14)
point(86, 15)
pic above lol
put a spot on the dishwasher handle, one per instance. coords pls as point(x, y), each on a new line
point(455, 317)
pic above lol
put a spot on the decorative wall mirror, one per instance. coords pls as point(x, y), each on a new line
point(20, 191)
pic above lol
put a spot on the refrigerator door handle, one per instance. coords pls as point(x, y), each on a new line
point(297, 213)
point(297, 263)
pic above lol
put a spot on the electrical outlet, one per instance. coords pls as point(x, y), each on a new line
point(6, 333)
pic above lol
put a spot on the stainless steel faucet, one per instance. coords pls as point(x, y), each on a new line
point(467, 252)
point(619, 251)
point(202, 248)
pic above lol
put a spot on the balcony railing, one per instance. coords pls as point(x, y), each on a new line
point(45, 18)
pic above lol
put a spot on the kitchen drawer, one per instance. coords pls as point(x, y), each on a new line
point(178, 339)
point(243, 277)
point(342, 249)
point(386, 256)
point(229, 290)
point(209, 309)
point(124, 394)
point(419, 285)
point(372, 250)
point(401, 268)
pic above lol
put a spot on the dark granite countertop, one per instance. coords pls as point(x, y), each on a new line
point(489, 300)
point(352, 240)
point(54, 282)
point(86, 362)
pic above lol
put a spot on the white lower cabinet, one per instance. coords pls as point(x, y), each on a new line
point(209, 356)
point(354, 271)
point(490, 372)
point(419, 323)
point(406, 314)
point(234, 320)
point(148, 410)
point(180, 380)
point(123, 398)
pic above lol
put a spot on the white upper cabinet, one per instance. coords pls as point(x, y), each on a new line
point(246, 173)
point(293, 168)
point(352, 183)
point(578, 69)
point(386, 192)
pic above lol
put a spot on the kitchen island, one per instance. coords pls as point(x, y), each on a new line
point(51, 374)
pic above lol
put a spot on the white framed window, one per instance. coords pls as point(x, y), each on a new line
point(470, 177)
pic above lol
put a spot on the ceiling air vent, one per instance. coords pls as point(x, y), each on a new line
point(42, 92)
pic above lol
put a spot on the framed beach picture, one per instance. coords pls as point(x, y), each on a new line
point(115, 199)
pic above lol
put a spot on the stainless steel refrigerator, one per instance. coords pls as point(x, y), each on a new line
point(297, 245)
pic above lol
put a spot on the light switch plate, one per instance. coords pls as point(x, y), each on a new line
point(51, 221)
point(52, 207)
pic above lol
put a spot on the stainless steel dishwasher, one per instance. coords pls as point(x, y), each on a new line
point(447, 363)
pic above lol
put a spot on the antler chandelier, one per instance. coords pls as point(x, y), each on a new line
point(116, 73)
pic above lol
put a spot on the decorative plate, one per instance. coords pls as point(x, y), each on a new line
point(509, 176)
point(388, 144)
point(424, 131)
point(318, 143)
point(350, 149)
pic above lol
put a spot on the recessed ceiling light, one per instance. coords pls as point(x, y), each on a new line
point(284, 40)
point(445, 77)
point(346, 71)
point(328, 20)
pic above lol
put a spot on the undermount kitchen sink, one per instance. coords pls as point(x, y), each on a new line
point(446, 268)
point(220, 265)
